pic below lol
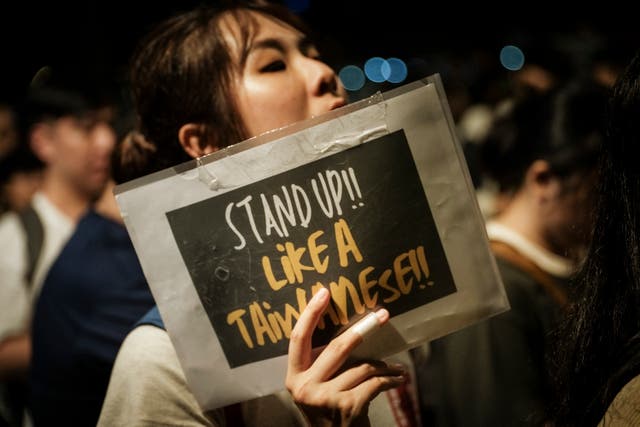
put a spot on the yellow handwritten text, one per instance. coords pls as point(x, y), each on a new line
point(260, 324)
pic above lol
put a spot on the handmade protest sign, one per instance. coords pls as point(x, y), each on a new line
point(372, 201)
point(364, 230)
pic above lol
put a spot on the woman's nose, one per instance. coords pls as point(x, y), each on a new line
point(323, 79)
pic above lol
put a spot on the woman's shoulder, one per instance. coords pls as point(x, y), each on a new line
point(159, 395)
point(147, 351)
point(147, 344)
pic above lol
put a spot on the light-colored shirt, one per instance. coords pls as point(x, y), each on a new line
point(16, 298)
point(58, 228)
point(549, 262)
point(148, 388)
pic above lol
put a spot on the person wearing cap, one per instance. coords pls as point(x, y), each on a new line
point(67, 126)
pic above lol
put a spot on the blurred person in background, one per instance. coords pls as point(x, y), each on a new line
point(20, 178)
point(65, 119)
point(8, 129)
point(543, 155)
point(94, 293)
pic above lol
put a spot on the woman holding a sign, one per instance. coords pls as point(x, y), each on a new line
point(202, 81)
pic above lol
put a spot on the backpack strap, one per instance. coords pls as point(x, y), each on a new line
point(35, 237)
point(548, 283)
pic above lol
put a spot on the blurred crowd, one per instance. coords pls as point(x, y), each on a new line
point(530, 137)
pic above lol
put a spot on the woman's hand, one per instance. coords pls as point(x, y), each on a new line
point(326, 391)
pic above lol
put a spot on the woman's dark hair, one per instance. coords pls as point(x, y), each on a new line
point(598, 346)
point(182, 72)
point(563, 127)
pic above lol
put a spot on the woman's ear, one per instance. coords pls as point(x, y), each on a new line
point(539, 172)
point(193, 139)
point(540, 179)
point(41, 141)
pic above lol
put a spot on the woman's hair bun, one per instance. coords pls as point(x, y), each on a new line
point(132, 157)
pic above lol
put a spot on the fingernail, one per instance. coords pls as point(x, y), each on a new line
point(383, 315)
point(320, 295)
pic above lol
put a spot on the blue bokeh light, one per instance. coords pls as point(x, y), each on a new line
point(377, 69)
point(398, 70)
point(352, 77)
point(511, 58)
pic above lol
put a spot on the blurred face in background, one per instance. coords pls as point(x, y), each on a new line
point(77, 151)
point(8, 133)
point(20, 188)
point(569, 214)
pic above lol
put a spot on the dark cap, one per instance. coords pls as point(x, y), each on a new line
point(62, 92)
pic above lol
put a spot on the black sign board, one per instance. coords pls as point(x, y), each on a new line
point(357, 222)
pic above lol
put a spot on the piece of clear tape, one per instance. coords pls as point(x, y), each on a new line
point(206, 177)
point(366, 326)
point(340, 143)
point(351, 140)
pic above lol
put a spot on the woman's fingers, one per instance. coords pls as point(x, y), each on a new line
point(362, 372)
point(323, 388)
point(354, 403)
point(300, 344)
point(344, 406)
point(339, 349)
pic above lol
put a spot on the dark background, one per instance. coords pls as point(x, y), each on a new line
point(457, 40)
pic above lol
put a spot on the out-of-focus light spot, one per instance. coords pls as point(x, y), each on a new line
point(352, 77)
point(398, 70)
point(377, 69)
point(297, 6)
point(511, 58)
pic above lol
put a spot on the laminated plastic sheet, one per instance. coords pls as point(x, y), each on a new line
point(372, 201)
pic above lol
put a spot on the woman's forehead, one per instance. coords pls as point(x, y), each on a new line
point(242, 27)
